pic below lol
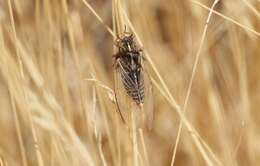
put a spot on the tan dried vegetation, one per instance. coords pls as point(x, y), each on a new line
point(56, 81)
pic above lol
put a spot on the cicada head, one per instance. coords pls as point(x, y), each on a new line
point(126, 43)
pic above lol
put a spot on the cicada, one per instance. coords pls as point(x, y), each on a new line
point(133, 88)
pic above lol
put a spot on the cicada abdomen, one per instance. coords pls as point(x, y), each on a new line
point(132, 84)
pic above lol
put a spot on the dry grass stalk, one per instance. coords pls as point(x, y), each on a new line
point(58, 107)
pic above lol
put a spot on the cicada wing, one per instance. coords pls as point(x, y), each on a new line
point(123, 101)
point(127, 107)
point(148, 101)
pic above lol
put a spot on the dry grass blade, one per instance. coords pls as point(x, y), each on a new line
point(59, 106)
point(252, 8)
point(117, 18)
point(15, 36)
point(3, 162)
point(101, 151)
point(99, 18)
point(14, 109)
point(194, 68)
point(144, 147)
point(38, 153)
point(228, 18)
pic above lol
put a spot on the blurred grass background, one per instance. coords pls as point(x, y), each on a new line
point(56, 83)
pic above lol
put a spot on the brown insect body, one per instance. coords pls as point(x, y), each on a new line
point(129, 59)
point(132, 84)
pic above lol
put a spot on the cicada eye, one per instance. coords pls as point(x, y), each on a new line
point(132, 36)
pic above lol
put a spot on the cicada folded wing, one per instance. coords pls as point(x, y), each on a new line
point(133, 102)
point(148, 102)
